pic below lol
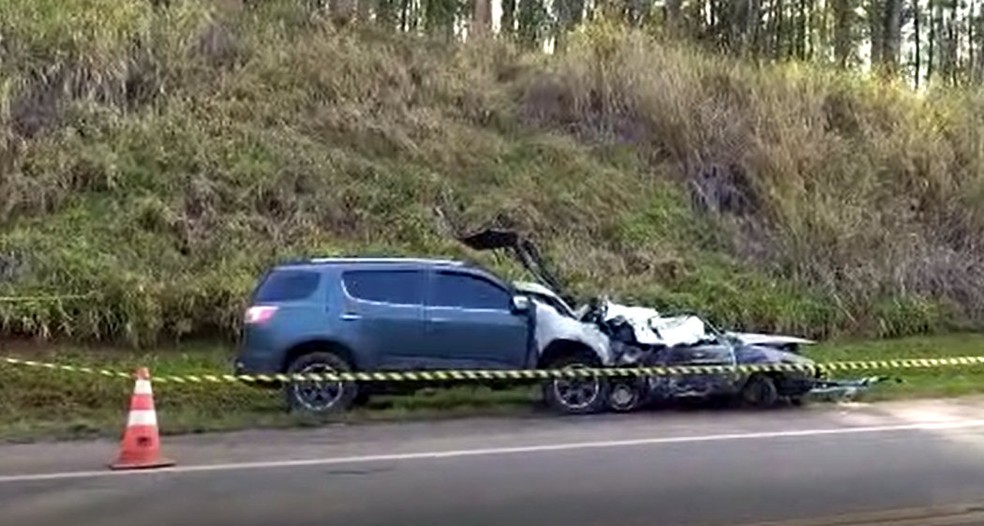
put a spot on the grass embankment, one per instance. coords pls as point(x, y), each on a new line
point(161, 157)
point(40, 403)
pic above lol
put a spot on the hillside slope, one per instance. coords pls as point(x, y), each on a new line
point(155, 160)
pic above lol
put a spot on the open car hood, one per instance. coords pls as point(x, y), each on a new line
point(521, 248)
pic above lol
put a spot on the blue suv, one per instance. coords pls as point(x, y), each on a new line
point(391, 314)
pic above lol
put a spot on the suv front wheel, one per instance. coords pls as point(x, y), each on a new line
point(575, 395)
point(319, 396)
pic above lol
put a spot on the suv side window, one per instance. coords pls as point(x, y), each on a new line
point(452, 289)
point(402, 287)
point(287, 285)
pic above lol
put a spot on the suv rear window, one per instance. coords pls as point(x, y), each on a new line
point(288, 285)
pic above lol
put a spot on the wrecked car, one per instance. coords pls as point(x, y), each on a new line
point(643, 337)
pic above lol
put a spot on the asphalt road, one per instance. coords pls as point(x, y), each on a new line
point(650, 469)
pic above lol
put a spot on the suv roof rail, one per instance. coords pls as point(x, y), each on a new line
point(374, 260)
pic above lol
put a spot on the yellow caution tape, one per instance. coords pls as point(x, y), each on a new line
point(523, 374)
point(68, 368)
point(52, 298)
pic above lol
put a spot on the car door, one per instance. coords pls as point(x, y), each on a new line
point(704, 354)
point(384, 316)
point(470, 322)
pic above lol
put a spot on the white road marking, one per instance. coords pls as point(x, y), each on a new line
point(435, 455)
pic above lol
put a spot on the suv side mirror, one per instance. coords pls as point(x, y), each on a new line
point(520, 303)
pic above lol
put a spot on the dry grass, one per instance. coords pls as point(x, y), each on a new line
point(160, 158)
point(866, 193)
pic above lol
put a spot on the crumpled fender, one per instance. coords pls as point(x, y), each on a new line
point(552, 326)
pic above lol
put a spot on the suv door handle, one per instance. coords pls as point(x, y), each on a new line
point(348, 316)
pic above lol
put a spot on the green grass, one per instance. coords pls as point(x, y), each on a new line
point(44, 404)
point(916, 383)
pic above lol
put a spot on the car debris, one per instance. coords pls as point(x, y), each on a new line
point(845, 390)
point(639, 336)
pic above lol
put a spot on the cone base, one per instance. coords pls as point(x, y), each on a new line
point(159, 463)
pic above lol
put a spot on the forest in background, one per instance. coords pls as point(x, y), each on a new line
point(914, 40)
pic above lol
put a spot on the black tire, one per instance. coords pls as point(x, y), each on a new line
point(319, 397)
point(625, 395)
point(760, 392)
point(575, 396)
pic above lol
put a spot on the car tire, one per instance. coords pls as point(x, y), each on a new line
point(319, 397)
point(625, 395)
point(575, 396)
point(760, 392)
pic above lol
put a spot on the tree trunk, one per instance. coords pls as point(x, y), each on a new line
point(482, 18)
point(811, 29)
point(931, 58)
point(779, 29)
point(916, 16)
point(971, 40)
point(735, 25)
point(951, 46)
point(875, 13)
point(980, 42)
point(892, 36)
point(753, 19)
point(801, 30)
point(843, 26)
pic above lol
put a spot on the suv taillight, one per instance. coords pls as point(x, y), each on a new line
point(259, 314)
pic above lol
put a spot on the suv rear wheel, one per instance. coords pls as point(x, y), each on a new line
point(572, 395)
point(320, 396)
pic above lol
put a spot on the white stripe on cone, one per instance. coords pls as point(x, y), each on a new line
point(142, 418)
point(142, 387)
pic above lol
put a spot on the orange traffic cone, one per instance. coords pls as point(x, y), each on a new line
point(141, 446)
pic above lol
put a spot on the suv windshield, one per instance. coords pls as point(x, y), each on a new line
point(287, 285)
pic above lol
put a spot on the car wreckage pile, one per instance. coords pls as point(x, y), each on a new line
point(638, 336)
